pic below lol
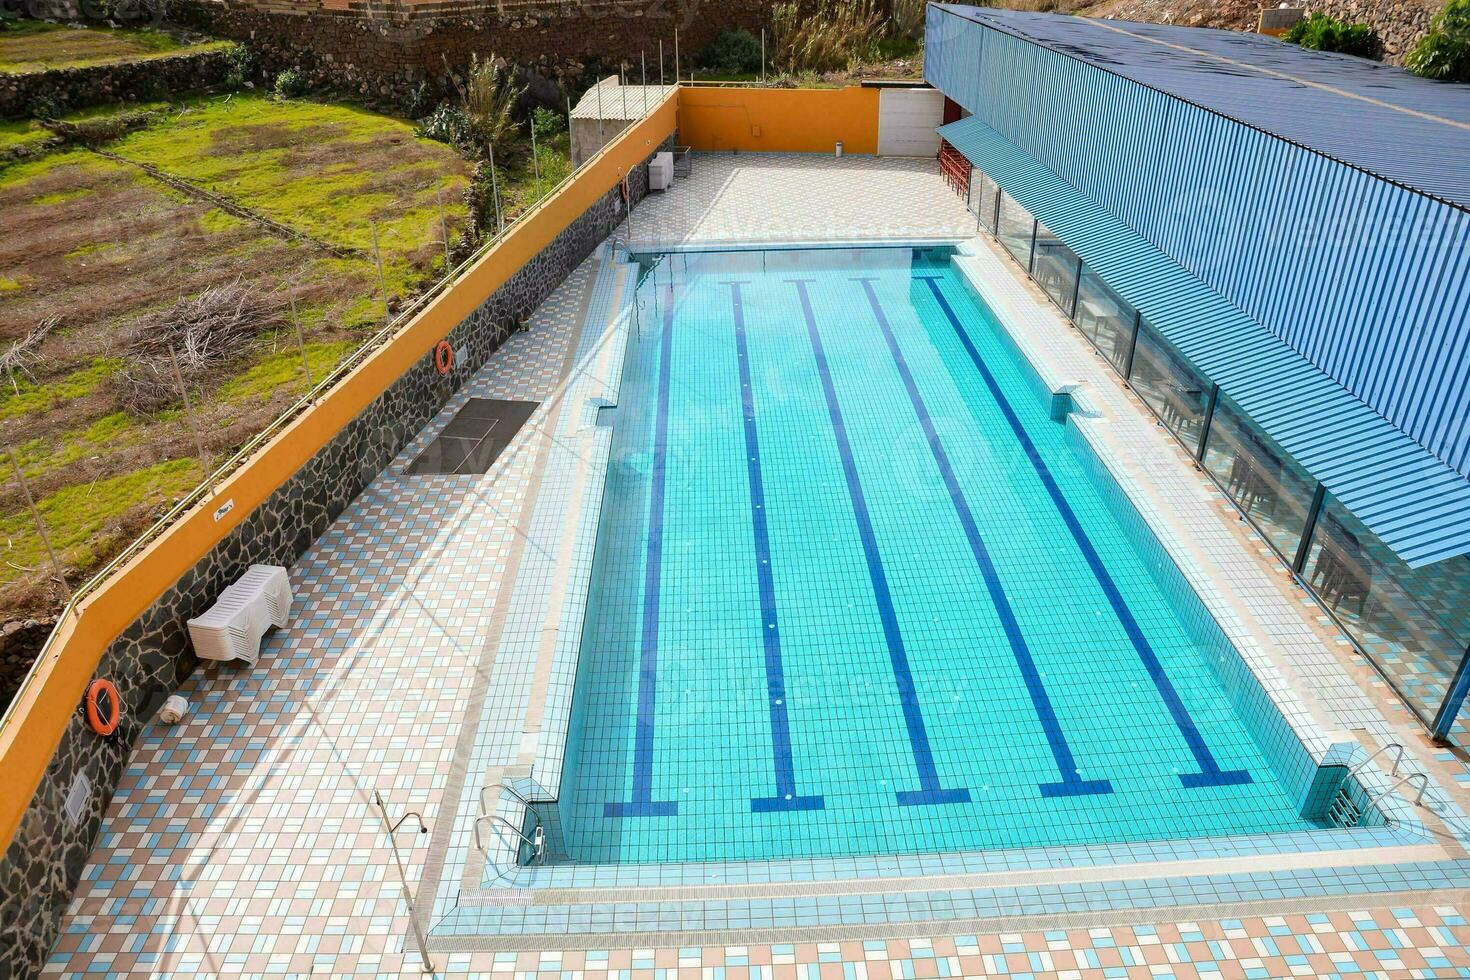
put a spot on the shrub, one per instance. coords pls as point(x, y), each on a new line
point(447, 124)
point(1444, 53)
point(733, 51)
point(832, 37)
point(546, 122)
point(239, 66)
point(1323, 33)
point(44, 106)
point(488, 99)
point(290, 84)
point(908, 17)
point(420, 101)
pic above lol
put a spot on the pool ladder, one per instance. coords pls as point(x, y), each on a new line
point(537, 839)
point(1345, 813)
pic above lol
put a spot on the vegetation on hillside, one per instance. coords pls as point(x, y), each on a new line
point(37, 45)
point(1321, 32)
point(1444, 53)
point(828, 44)
point(198, 228)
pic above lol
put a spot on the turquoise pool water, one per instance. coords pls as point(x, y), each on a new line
point(855, 593)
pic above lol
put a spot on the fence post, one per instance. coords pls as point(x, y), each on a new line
point(189, 409)
point(535, 158)
point(25, 489)
point(382, 278)
point(444, 229)
point(495, 192)
point(301, 343)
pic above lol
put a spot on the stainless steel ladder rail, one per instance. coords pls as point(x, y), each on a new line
point(1394, 747)
point(1406, 778)
point(537, 840)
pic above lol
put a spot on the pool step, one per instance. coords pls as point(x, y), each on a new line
point(1344, 812)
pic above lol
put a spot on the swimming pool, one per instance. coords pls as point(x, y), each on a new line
point(855, 593)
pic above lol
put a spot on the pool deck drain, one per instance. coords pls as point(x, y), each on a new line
point(260, 854)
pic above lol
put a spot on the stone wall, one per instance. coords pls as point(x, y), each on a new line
point(1399, 23)
point(148, 661)
point(155, 78)
point(384, 51)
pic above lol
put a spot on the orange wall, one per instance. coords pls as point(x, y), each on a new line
point(40, 716)
point(779, 120)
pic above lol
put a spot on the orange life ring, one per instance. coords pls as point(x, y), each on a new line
point(103, 724)
point(623, 186)
point(443, 357)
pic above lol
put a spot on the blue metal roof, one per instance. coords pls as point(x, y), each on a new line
point(1371, 116)
point(1409, 498)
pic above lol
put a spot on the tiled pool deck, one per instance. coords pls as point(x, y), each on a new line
point(438, 612)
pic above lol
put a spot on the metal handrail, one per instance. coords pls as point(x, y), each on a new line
point(211, 482)
point(485, 810)
point(1395, 747)
point(536, 844)
point(1409, 778)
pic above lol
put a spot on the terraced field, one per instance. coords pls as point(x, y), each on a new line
point(268, 200)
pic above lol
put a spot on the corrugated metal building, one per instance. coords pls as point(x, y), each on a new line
point(1274, 246)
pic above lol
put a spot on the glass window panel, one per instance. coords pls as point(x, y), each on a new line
point(1015, 229)
point(1055, 267)
point(976, 176)
point(1413, 623)
point(985, 204)
point(1105, 318)
point(1272, 488)
point(1170, 386)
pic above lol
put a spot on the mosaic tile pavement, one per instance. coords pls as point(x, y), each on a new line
point(243, 842)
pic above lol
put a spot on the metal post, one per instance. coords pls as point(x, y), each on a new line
point(1314, 511)
point(1031, 255)
point(643, 60)
point(535, 158)
point(189, 409)
point(601, 137)
point(1133, 344)
point(25, 488)
point(763, 56)
point(301, 343)
point(660, 65)
point(629, 203)
point(1076, 291)
point(1204, 429)
point(676, 57)
point(623, 88)
point(444, 228)
point(1449, 709)
point(408, 899)
point(382, 278)
point(495, 192)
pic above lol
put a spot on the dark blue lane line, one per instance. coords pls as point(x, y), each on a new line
point(1071, 783)
point(643, 803)
point(1210, 773)
point(930, 790)
point(786, 797)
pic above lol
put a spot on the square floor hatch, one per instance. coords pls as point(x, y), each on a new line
point(474, 438)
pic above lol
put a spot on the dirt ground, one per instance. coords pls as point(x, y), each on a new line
point(281, 196)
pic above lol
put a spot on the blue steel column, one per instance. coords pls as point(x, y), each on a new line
point(1450, 709)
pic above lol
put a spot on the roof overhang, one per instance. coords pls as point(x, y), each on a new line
point(1416, 504)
